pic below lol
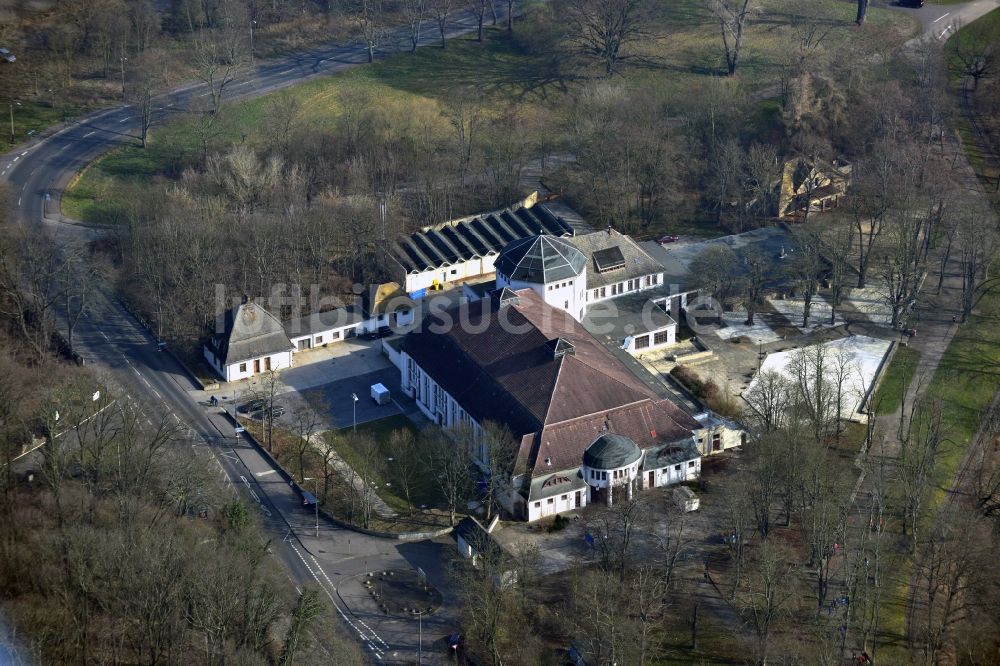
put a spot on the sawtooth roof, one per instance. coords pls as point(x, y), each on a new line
point(250, 332)
point(482, 236)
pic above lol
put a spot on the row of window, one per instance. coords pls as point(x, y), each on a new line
point(619, 288)
point(560, 285)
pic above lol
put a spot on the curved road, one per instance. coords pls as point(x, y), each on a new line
point(112, 340)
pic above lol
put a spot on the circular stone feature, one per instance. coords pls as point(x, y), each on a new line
point(400, 593)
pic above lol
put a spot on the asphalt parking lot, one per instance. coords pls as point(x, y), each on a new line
point(333, 400)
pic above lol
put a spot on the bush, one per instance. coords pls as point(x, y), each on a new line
point(559, 523)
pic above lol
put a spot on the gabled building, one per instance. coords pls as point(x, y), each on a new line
point(516, 360)
point(249, 341)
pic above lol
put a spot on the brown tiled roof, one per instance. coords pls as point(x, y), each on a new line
point(500, 366)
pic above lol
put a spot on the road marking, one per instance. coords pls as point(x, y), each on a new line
point(15, 159)
point(270, 471)
point(89, 133)
point(124, 120)
point(287, 71)
point(364, 637)
point(941, 17)
point(157, 394)
point(62, 149)
point(23, 154)
point(19, 202)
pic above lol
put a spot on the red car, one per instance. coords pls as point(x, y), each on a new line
point(670, 238)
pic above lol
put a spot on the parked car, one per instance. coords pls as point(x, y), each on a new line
point(275, 413)
point(308, 499)
point(254, 405)
point(381, 332)
point(669, 238)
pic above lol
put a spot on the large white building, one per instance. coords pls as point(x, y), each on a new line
point(586, 428)
point(602, 279)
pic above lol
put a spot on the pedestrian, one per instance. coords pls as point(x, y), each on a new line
point(954, 318)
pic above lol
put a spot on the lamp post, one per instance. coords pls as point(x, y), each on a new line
point(354, 426)
point(420, 636)
point(252, 24)
point(12, 103)
point(123, 59)
point(315, 481)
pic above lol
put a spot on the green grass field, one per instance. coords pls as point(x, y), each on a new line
point(687, 53)
point(896, 380)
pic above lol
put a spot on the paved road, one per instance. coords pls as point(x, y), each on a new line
point(941, 21)
point(114, 341)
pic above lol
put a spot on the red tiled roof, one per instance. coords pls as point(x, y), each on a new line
point(497, 362)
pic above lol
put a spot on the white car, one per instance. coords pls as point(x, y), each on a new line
point(7, 55)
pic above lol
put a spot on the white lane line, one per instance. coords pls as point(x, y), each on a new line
point(124, 120)
point(89, 133)
point(105, 336)
point(23, 154)
point(364, 637)
point(19, 202)
point(270, 471)
point(157, 394)
point(62, 149)
point(15, 159)
point(287, 71)
point(941, 17)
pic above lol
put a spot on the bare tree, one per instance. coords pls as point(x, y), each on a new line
point(442, 9)
point(765, 595)
point(606, 28)
point(805, 268)
point(978, 240)
point(368, 16)
point(308, 608)
point(921, 445)
point(478, 9)
point(862, 14)
point(758, 268)
point(406, 465)
point(734, 17)
point(449, 460)
point(414, 11)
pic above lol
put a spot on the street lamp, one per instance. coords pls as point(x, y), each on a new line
point(252, 22)
point(315, 481)
point(354, 396)
point(124, 58)
point(12, 103)
point(420, 635)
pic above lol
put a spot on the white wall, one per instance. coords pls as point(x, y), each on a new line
point(671, 331)
point(550, 506)
point(460, 271)
point(325, 337)
point(233, 373)
point(568, 295)
point(641, 283)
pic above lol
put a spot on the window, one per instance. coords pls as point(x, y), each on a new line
point(661, 337)
point(571, 283)
point(604, 476)
point(691, 464)
point(677, 468)
point(243, 367)
point(642, 342)
point(319, 339)
point(538, 505)
point(550, 287)
point(563, 498)
point(454, 271)
point(565, 305)
point(604, 292)
point(650, 280)
point(551, 500)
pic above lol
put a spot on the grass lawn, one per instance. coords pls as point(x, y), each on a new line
point(31, 118)
point(687, 53)
point(965, 382)
point(896, 380)
point(425, 492)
